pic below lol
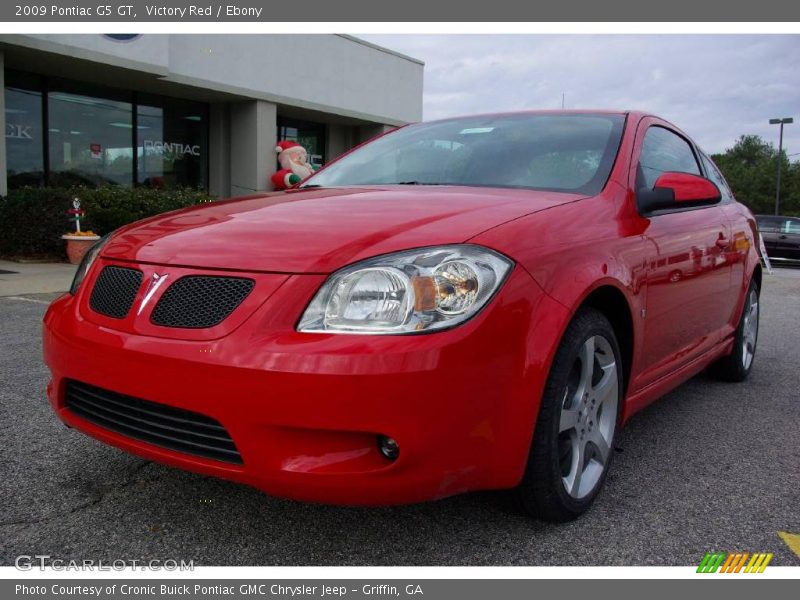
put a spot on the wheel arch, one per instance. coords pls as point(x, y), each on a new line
point(612, 302)
point(757, 274)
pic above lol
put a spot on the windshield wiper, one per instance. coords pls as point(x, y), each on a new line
point(417, 183)
point(316, 185)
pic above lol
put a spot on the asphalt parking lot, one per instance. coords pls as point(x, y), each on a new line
point(712, 466)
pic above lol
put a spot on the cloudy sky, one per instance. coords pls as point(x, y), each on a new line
point(713, 87)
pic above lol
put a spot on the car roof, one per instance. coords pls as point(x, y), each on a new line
point(781, 217)
point(558, 111)
point(633, 115)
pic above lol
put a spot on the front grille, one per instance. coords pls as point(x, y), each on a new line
point(114, 291)
point(200, 301)
point(158, 424)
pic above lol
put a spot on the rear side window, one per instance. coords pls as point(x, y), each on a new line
point(714, 174)
point(791, 226)
point(769, 223)
point(662, 151)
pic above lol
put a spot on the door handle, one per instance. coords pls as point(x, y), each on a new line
point(781, 237)
point(722, 242)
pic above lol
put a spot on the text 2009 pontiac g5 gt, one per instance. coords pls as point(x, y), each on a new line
point(473, 303)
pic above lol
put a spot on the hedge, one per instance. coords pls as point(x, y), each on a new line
point(33, 219)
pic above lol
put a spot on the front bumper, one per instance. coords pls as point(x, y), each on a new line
point(304, 410)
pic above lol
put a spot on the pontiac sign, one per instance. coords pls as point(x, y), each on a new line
point(176, 149)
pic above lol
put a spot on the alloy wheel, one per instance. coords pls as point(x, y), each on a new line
point(750, 329)
point(588, 417)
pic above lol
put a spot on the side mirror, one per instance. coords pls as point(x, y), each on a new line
point(676, 191)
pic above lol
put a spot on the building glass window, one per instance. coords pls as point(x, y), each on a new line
point(24, 140)
point(172, 143)
point(309, 135)
point(90, 141)
point(65, 133)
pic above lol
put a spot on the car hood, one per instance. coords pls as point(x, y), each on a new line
point(321, 230)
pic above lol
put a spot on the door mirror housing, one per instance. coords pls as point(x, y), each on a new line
point(674, 191)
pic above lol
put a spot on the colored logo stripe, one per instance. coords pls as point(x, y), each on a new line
point(758, 563)
point(726, 567)
point(735, 562)
point(711, 562)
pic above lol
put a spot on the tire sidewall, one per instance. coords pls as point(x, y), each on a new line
point(576, 335)
point(738, 350)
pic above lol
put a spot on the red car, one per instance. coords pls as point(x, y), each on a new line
point(472, 303)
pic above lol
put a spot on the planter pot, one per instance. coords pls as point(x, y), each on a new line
point(78, 245)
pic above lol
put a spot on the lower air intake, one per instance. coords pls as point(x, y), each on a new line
point(166, 426)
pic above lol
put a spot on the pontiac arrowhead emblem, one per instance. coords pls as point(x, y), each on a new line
point(152, 287)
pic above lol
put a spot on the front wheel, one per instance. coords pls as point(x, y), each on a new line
point(573, 442)
point(737, 365)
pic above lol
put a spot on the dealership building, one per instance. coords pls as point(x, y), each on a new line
point(203, 111)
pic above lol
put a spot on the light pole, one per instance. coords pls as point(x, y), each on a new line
point(781, 122)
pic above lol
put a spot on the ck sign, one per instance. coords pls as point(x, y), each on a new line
point(19, 132)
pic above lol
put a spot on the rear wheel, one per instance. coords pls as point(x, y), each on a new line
point(574, 438)
point(736, 366)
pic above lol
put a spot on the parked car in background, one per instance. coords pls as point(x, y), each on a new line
point(466, 304)
point(781, 236)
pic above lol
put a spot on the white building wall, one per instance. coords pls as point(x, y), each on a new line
point(252, 156)
point(330, 73)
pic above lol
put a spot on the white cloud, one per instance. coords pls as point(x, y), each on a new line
point(714, 87)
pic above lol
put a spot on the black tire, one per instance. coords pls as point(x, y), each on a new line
point(542, 492)
point(735, 367)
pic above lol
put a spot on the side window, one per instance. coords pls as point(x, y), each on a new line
point(662, 151)
point(714, 175)
point(768, 224)
point(791, 226)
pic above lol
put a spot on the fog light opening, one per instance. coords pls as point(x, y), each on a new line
point(388, 447)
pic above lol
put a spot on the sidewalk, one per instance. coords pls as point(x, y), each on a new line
point(17, 279)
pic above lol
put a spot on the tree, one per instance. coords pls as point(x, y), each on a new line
point(750, 168)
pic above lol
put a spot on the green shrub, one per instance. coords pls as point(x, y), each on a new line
point(33, 219)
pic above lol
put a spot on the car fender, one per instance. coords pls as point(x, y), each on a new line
point(751, 257)
point(570, 261)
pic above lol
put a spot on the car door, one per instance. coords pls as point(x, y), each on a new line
point(741, 236)
point(769, 228)
point(688, 279)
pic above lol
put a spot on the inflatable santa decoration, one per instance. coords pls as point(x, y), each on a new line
point(293, 159)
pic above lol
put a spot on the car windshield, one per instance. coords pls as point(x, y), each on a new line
point(558, 152)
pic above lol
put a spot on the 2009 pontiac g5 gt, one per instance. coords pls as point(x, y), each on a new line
point(472, 303)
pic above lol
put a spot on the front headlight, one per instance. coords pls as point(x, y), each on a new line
point(86, 263)
point(414, 291)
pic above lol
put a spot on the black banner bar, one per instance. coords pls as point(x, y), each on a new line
point(139, 11)
point(364, 589)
